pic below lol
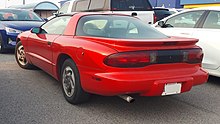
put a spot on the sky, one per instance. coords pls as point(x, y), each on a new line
point(6, 3)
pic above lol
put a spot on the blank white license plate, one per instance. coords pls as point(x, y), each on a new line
point(172, 88)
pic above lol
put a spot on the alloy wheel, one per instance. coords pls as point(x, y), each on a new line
point(21, 55)
point(68, 81)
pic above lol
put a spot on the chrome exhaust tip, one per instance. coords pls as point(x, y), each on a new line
point(127, 98)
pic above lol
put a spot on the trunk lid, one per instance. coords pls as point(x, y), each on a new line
point(122, 45)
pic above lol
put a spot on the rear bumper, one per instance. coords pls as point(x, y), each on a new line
point(144, 83)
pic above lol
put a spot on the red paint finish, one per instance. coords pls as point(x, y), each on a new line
point(96, 77)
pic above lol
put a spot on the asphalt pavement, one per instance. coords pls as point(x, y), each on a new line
point(34, 97)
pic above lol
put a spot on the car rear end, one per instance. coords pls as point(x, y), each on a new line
point(140, 8)
point(131, 57)
point(154, 70)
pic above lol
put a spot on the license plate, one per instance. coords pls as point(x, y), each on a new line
point(172, 88)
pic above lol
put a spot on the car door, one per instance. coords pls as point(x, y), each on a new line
point(209, 35)
point(40, 46)
point(183, 24)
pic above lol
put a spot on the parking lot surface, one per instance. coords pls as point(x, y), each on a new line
point(34, 97)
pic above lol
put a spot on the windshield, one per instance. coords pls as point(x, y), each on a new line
point(114, 26)
point(18, 15)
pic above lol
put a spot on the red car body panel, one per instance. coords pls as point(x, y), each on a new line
point(89, 53)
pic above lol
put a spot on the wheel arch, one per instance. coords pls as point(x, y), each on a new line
point(17, 40)
point(60, 60)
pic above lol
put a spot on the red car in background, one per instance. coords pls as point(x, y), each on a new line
point(110, 54)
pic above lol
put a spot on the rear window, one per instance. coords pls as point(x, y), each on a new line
point(130, 5)
point(162, 12)
point(114, 26)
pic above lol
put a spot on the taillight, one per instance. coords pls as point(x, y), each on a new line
point(144, 58)
point(192, 56)
point(155, 18)
point(131, 59)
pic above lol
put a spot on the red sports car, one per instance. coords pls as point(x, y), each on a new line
point(111, 54)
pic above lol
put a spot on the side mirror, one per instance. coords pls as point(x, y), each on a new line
point(162, 24)
point(35, 30)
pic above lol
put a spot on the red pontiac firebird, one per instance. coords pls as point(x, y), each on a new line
point(111, 54)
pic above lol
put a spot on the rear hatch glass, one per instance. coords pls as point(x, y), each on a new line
point(162, 12)
point(118, 27)
point(130, 5)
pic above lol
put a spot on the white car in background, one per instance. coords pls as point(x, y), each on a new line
point(140, 8)
point(174, 10)
point(67, 7)
point(200, 23)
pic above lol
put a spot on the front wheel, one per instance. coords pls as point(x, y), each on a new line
point(70, 80)
point(20, 56)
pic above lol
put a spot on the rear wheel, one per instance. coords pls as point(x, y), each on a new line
point(2, 50)
point(70, 80)
point(20, 56)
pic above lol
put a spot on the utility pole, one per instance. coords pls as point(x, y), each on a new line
point(23, 2)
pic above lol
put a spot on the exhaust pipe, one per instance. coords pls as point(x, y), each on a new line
point(127, 98)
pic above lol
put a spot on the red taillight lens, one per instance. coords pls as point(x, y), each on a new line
point(144, 58)
point(193, 56)
point(131, 59)
point(155, 18)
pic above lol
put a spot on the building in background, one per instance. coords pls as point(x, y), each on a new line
point(199, 3)
point(166, 3)
point(43, 9)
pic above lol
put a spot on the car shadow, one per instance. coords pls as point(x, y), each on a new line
point(164, 108)
point(9, 52)
point(214, 80)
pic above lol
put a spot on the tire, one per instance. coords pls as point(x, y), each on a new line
point(2, 50)
point(20, 57)
point(71, 84)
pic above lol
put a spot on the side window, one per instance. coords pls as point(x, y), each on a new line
point(82, 5)
point(97, 4)
point(64, 8)
point(56, 25)
point(185, 20)
point(212, 21)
